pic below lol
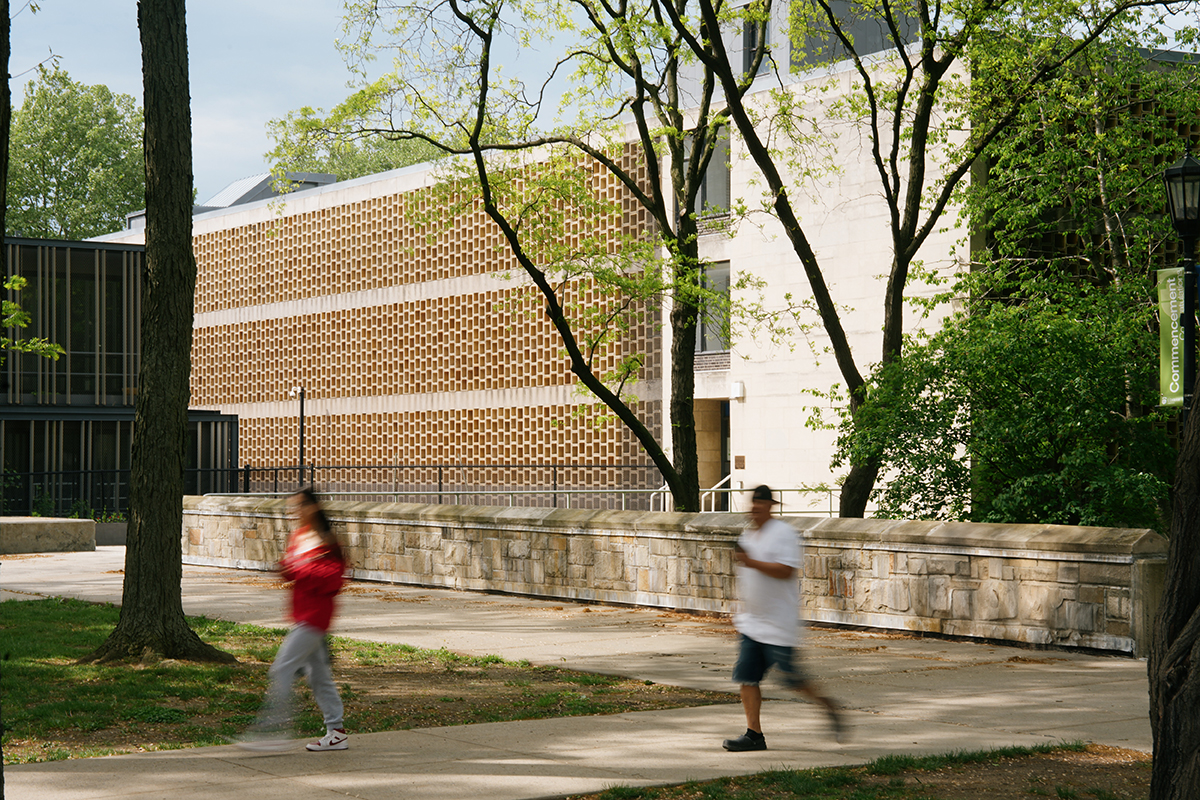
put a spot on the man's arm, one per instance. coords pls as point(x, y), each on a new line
point(771, 569)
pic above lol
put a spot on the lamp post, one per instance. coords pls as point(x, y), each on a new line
point(299, 390)
point(1182, 181)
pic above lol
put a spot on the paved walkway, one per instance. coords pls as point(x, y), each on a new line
point(904, 695)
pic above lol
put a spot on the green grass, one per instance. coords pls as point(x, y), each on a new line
point(47, 694)
point(55, 708)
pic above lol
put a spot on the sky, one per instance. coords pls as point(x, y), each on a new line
point(250, 61)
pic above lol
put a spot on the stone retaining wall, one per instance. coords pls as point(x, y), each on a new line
point(1041, 584)
point(46, 535)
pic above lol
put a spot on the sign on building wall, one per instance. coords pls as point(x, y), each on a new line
point(1170, 335)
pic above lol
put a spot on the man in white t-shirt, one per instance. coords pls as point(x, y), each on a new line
point(768, 554)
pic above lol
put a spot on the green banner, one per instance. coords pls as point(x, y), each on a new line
point(1170, 336)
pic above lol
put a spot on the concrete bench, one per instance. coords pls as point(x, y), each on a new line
point(46, 535)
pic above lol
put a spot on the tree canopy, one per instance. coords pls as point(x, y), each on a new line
point(306, 140)
point(1029, 412)
point(930, 87)
point(12, 317)
point(75, 166)
point(597, 203)
point(1036, 401)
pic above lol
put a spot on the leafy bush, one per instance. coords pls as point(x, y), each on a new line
point(43, 504)
point(1021, 412)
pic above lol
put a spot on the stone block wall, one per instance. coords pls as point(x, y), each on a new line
point(1040, 584)
point(46, 535)
point(665, 560)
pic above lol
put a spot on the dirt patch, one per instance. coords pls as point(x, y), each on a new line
point(1107, 773)
point(1096, 773)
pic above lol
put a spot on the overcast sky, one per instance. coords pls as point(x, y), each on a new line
point(250, 61)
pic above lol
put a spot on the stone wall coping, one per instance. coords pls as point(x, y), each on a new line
point(1002, 540)
point(653, 524)
point(978, 536)
point(921, 549)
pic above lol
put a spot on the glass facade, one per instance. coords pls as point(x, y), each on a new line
point(87, 298)
point(66, 426)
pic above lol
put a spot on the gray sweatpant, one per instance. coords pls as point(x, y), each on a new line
point(303, 651)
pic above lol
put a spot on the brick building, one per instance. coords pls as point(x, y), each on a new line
point(415, 349)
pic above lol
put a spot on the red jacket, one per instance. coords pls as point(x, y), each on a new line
point(317, 572)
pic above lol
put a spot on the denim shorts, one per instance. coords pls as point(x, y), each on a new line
point(756, 658)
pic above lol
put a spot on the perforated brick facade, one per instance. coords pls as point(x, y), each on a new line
point(414, 344)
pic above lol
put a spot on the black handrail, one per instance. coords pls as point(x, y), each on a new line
point(83, 492)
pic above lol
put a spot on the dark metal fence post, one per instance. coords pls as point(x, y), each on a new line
point(63, 487)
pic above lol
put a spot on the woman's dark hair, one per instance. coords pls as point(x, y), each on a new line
point(310, 498)
point(324, 529)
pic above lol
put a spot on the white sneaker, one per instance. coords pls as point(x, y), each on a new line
point(332, 740)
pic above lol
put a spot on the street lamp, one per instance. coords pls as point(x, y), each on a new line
point(299, 390)
point(1182, 181)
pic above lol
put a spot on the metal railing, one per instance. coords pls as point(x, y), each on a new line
point(456, 496)
point(613, 486)
point(793, 500)
point(709, 496)
point(82, 492)
point(576, 485)
point(659, 499)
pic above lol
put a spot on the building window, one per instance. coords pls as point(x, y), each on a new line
point(756, 33)
point(712, 325)
point(712, 199)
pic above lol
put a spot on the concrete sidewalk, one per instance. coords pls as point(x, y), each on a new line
point(904, 695)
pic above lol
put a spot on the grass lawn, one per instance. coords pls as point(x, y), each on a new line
point(56, 709)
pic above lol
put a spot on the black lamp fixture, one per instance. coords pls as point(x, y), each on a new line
point(1183, 200)
point(299, 390)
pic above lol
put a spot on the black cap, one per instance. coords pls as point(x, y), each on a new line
point(764, 493)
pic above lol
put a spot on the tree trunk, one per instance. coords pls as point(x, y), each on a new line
point(152, 619)
point(5, 130)
point(856, 489)
point(682, 406)
point(682, 402)
point(1174, 665)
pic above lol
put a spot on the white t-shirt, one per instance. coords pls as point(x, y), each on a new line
point(769, 611)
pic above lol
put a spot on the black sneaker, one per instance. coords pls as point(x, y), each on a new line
point(750, 740)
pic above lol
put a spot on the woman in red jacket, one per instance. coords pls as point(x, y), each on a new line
point(314, 563)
